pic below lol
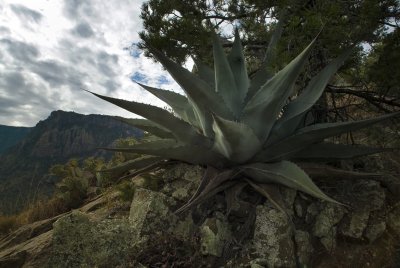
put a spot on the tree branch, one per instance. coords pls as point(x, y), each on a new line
point(367, 95)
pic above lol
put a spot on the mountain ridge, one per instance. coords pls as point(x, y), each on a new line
point(11, 135)
point(55, 140)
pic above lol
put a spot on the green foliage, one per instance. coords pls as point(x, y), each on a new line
point(241, 136)
point(126, 190)
point(72, 188)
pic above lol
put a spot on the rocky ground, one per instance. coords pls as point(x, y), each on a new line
point(249, 232)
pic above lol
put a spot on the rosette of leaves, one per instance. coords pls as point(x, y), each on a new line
point(243, 129)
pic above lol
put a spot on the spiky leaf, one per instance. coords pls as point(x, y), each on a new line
point(206, 73)
point(237, 63)
point(218, 182)
point(263, 108)
point(234, 140)
point(148, 126)
point(331, 151)
point(137, 163)
point(306, 136)
point(265, 71)
point(201, 93)
point(285, 173)
point(178, 103)
point(225, 83)
point(171, 149)
point(180, 129)
point(314, 89)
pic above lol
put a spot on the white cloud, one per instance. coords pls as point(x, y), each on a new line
point(49, 50)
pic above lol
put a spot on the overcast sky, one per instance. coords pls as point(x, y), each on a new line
point(51, 49)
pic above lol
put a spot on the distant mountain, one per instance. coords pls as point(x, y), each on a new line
point(10, 136)
point(62, 136)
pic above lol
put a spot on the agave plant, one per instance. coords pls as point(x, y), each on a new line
point(242, 129)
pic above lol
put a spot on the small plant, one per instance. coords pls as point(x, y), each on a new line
point(72, 188)
point(126, 190)
point(243, 129)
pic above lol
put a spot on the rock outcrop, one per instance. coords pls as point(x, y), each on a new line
point(362, 233)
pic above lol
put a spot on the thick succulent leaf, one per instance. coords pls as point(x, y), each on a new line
point(282, 130)
point(180, 129)
point(218, 182)
point(314, 89)
point(306, 136)
point(204, 118)
point(285, 173)
point(170, 149)
point(148, 126)
point(272, 193)
point(233, 201)
point(199, 91)
point(178, 103)
point(266, 71)
point(331, 151)
point(225, 83)
point(208, 175)
point(262, 109)
point(237, 63)
point(137, 163)
point(234, 140)
point(206, 73)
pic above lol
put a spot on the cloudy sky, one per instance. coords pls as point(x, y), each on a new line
point(50, 49)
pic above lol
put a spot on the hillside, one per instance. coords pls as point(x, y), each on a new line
point(10, 136)
point(62, 136)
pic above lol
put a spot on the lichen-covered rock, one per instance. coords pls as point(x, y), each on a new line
point(214, 234)
point(79, 241)
point(288, 196)
point(393, 220)
point(304, 247)
point(325, 224)
point(151, 212)
point(273, 237)
point(328, 217)
point(369, 198)
point(375, 230)
point(182, 181)
point(355, 223)
point(311, 213)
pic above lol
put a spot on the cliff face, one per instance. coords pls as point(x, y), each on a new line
point(62, 136)
point(10, 136)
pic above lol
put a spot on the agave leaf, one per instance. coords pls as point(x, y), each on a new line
point(237, 63)
point(178, 103)
point(171, 149)
point(262, 109)
point(265, 72)
point(234, 140)
point(197, 90)
point(180, 129)
point(306, 136)
point(206, 73)
point(331, 151)
point(208, 175)
point(295, 111)
point(217, 183)
point(137, 163)
point(232, 197)
point(148, 126)
point(204, 117)
point(314, 89)
point(224, 79)
point(272, 193)
point(282, 130)
point(287, 174)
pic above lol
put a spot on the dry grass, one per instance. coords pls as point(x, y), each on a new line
point(39, 210)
